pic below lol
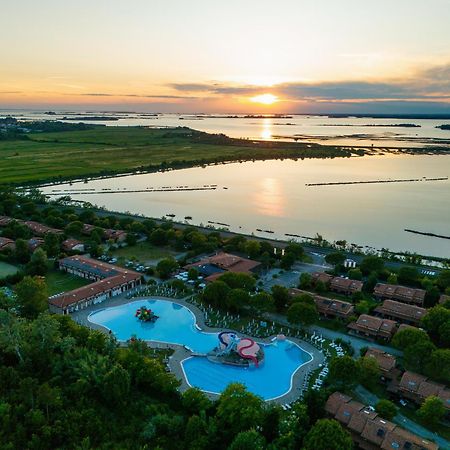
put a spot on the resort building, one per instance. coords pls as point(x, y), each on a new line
point(5, 221)
point(109, 281)
point(35, 242)
point(368, 430)
point(417, 388)
point(40, 229)
point(345, 285)
point(114, 235)
point(6, 244)
point(371, 327)
point(212, 267)
point(337, 284)
point(327, 307)
point(409, 314)
point(386, 362)
point(331, 308)
point(72, 245)
point(400, 293)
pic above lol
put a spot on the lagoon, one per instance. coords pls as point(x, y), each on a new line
point(272, 195)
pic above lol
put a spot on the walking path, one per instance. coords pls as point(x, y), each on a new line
point(403, 421)
point(181, 353)
point(356, 342)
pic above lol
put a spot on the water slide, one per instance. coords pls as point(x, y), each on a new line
point(228, 340)
point(248, 348)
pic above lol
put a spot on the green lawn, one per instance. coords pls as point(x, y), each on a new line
point(7, 269)
point(61, 282)
point(109, 150)
point(143, 252)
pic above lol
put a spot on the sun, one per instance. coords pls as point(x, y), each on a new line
point(265, 99)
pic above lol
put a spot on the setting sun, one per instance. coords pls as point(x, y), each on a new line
point(265, 99)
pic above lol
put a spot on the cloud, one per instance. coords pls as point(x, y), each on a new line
point(103, 94)
point(430, 84)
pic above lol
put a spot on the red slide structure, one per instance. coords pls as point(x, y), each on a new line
point(248, 348)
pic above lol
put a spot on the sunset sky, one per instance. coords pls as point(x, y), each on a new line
point(226, 56)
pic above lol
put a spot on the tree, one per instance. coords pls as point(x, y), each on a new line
point(408, 275)
point(252, 249)
point(248, 440)
point(216, 293)
point(443, 279)
point(237, 299)
point(22, 251)
point(193, 273)
point(438, 365)
point(409, 336)
point(320, 287)
point(355, 274)
point(434, 319)
point(304, 298)
point(287, 261)
point(305, 280)
point(237, 280)
point(370, 372)
point(295, 249)
point(52, 244)
point(239, 410)
point(131, 239)
point(302, 313)
point(392, 279)
point(195, 401)
point(328, 434)
point(280, 296)
point(386, 409)
point(32, 296)
point(432, 410)
point(262, 302)
point(416, 356)
point(38, 264)
point(74, 228)
point(158, 237)
point(335, 259)
point(344, 372)
point(371, 264)
point(166, 267)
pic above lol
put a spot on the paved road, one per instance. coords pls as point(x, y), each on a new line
point(371, 399)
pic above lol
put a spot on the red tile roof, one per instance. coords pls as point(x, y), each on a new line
point(400, 293)
point(386, 361)
point(401, 311)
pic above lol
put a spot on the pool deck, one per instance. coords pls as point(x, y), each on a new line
point(181, 353)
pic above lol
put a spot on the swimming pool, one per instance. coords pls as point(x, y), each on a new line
point(176, 325)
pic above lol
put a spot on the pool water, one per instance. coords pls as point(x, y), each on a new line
point(176, 325)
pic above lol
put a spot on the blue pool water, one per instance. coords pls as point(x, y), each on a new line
point(176, 325)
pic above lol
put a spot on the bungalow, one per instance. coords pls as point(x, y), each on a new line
point(409, 314)
point(35, 242)
point(72, 245)
point(5, 221)
point(6, 244)
point(327, 307)
point(212, 267)
point(386, 362)
point(337, 284)
point(368, 430)
point(40, 229)
point(418, 387)
point(114, 235)
point(371, 327)
point(400, 293)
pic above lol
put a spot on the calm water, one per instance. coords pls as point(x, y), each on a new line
point(322, 129)
point(176, 325)
point(272, 195)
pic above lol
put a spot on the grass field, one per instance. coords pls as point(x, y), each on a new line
point(109, 150)
point(144, 252)
point(7, 269)
point(61, 282)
